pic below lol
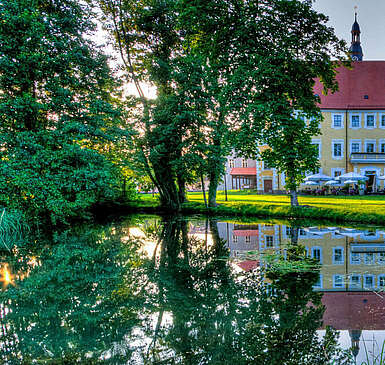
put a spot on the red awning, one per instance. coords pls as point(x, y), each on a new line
point(245, 232)
point(244, 171)
point(248, 265)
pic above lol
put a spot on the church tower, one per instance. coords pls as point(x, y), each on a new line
point(355, 49)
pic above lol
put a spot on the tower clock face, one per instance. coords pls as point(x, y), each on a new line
point(355, 58)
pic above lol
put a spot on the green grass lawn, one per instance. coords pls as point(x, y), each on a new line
point(363, 209)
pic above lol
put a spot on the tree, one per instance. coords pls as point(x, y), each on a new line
point(269, 53)
point(57, 110)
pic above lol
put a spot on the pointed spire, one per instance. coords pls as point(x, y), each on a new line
point(355, 48)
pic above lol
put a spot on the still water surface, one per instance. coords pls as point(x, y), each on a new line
point(172, 290)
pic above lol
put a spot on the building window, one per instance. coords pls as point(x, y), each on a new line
point(355, 121)
point(368, 281)
point(355, 147)
point(382, 121)
point(381, 258)
point(355, 258)
point(247, 239)
point(231, 164)
point(337, 149)
point(318, 144)
point(338, 281)
point(369, 258)
point(244, 163)
point(369, 147)
point(381, 281)
point(338, 255)
point(355, 281)
point(370, 121)
point(288, 231)
point(235, 239)
point(318, 284)
point(302, 232)
point(337, 121)
point(382, 147)
point(337, 172)
point(316, 253)
point(269, 241)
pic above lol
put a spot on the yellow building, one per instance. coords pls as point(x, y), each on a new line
point(352, 132)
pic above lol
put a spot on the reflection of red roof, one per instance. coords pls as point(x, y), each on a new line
point(354, 310)
point(248, 265)
point(366, 78)
point(243, 171)
point(245, 232)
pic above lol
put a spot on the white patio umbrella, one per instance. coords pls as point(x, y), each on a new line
point(350, 181)
point(318, 177)
point(350, 232)
point(352, 176)
point(332, 182)
point(381, 177)
point(310, 183)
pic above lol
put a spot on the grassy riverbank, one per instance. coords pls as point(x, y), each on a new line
point(362, 209)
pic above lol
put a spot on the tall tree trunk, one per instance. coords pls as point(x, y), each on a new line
point(203, 189)
point(181, 189)
point(214, 177)
point(293, 198)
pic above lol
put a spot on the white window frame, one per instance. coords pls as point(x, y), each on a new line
point(379, 277)
point(272, 241)
point(334, 281)
point(342, 120)
point(312, 253)
point(373, 280)
point(247, 239)
point(358, 141)
point(371, 141)
point(371, 262)
point(235, 238)
point(319, 143)
point(341, 142)
point(358, 262)
point(380, 261)
point(320, 281)
point(336, 169)
point(351, 120)
point(374, 120)
point(382, 115)
point(244, 163)
point(342, 254)
point(351, 282)
point(231, 163)
point(381, 142)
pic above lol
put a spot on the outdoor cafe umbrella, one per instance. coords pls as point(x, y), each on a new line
point(310, 183)
point(381, 177)
point(332, 182)
point(350, 181)
point(352, 176)
point(318, 177)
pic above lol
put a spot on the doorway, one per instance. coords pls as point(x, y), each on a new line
point(268, 186)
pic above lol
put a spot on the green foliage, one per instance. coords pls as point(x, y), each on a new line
point(56, 111)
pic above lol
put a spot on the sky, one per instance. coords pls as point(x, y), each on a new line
point(371, 14)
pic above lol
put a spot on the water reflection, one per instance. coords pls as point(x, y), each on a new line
point(168, 291)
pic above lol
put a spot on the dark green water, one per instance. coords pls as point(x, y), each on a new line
point(153, 290)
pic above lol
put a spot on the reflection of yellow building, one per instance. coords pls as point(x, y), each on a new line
point(352, 260)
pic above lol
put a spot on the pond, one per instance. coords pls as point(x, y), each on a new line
point(177, 290)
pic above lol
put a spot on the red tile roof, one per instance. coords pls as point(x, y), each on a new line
point(244, 171)
point(354, 310)
point(366, 78)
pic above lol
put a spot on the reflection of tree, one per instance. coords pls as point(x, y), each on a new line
point(219, 317)
point(69, 304)
point(93, 295)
